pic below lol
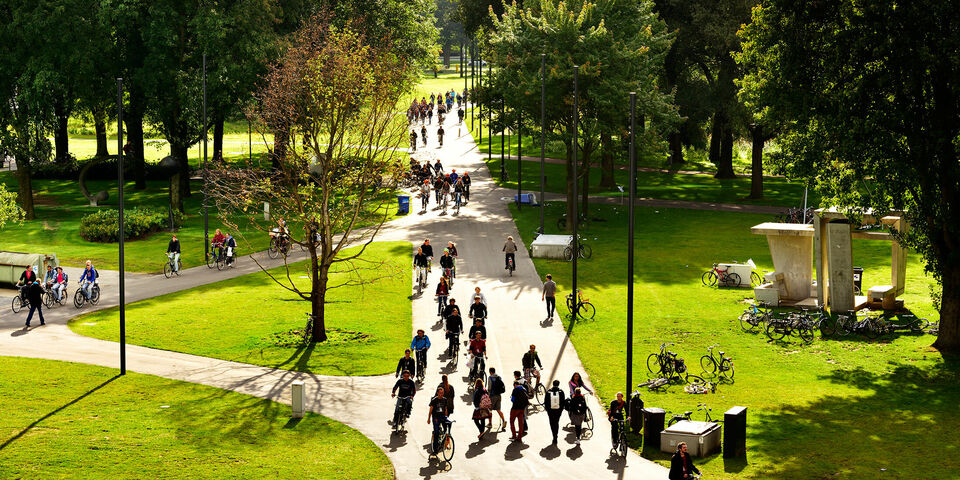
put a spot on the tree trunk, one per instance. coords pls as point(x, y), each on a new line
point(218, 137)
point(756, 166)
point(606, 162)
point(320, 274)
point(177, 191)
point(446, 54)
point(948, 340)
point(725, 161)
point(25, 186)
point(133, 119)
point(716, 133)
point(281, 140)
point(676, 149)
point(61, 138)
point(100, 125)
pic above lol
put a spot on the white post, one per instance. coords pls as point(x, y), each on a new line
point(266, 211)
point(297, 398)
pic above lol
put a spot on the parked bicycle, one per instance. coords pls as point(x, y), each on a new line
point(688, 415)
point(796, 215)
point(793, 324)
point(714, 275)
point(583, 249)
point(583, 308)
point(717, 364)
point(755, 317)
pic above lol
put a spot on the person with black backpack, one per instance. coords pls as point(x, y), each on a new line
point(555, 404)
point(496, 388)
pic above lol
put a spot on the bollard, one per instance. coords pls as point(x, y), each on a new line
point(297, 398)
point(266, 211)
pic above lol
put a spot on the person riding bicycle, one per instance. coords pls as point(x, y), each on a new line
point(425, 193)
point(428, 251)
point(530, 362)
point(453, 326)
point(217, 243)
point(49, 278)
point(88, 279)
point(440, 133)
point(413, 140)
point(466, 186)
point(476, 293)
point(60, 280)
point(478, 349)
point(445, 191)
point(438, 167)
point(437, 414)
point(27, 277)
point(510, 249)
point(478, 311)
point(577, 382)
point(423, 134)
point(407, 389)
point(230, 244)
point(421, 260)
point(458, 191)
point(420, 344)
point(477, 328)
point(443, 291)
point(173, 252)
point(406, 363)
point(614, 414)
point(446, 261)
point(460, 115)
point(438, 188)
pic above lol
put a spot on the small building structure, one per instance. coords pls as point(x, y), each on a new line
point(827, 246)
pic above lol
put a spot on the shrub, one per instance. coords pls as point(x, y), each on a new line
point(103, 226)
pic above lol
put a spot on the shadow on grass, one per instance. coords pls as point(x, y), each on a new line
point(56, 411)
point(898, 414)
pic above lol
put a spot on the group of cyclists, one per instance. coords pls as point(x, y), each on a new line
point(445, 186)
point(31, 288)
point(422, 112)
point(486, 385)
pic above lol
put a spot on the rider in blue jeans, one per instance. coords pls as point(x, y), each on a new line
point(420, 344)
point(438, 415)
point(87, 279)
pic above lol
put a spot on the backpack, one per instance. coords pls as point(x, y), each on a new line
point(498, 388)
point(553, 400)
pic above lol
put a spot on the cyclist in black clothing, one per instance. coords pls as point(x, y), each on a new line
point(451, 308)
point(446, 261)
point(478, 327)
point(407, 389)
point(454, 327)
point(530, 363)
point(466, 185)
point(478, 311)
point(427, 250)
point(616, 412)
point(420, 259)
point(438, 167)
point(406, 364)
point(438, 187)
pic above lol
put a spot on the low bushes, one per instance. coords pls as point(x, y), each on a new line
point(104, 226)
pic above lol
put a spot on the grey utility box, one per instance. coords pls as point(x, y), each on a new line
point(703, 438)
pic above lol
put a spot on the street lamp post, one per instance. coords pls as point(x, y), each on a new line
point(206, 220)
point(123, 295)
point(575, 220)
point(503, 132)
point(630, 229)
point(519, 156)
point(543, 116)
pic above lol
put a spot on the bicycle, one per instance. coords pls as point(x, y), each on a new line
point(421, 361)
point(584, 309)
point(661, 364)
point(456, 202)
point(421, 279)
point(726, 279)
point(448, 273)
point(308, 330)
point(20, 300)
point(510, 266)
point(793, 324)
point(537, 393)
point(620, 446)
point(279, 245)
point(445, 445)
point(755, 317)
point(453, 351)
point(79, 298)
point(688, 415)
point(424, 200)
point(717, 365)
point(169, 269)
point(477, 371)
point(401, 413)
point(584, 251)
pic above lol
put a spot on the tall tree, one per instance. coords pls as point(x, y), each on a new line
point(336, 91)
point(871, 89)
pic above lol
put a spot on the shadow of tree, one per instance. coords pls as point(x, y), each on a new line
point(903, 412)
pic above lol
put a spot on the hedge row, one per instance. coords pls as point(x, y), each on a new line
point(104, 226)
point(106, 170)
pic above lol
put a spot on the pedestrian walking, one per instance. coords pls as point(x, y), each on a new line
point(555, 404)
point(448, 393)
point(496, 388)
point(517, 410)
point(481, 407)
point(550, 295)
point(577, 406)
point(35, 295)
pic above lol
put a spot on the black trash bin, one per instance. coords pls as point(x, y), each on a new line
point(653, 421)
point(735, 432)
point(636, 413)
point(858, 280)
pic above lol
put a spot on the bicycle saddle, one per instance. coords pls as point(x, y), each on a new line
point(721, 353)
point(687, 414)
point(671, 354)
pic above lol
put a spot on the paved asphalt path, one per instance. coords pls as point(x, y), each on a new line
point(517, 319)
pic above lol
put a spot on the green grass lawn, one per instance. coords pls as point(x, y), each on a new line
point(68, 420)
point(238, 319)
point(831, 409)
point(60, 206)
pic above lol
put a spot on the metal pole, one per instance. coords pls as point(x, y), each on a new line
point(489, 123)
point(630, 229)
point(503, 133)
point(519, 156)
point(249, 142)
point(480, 87)
point(576, 215)
point(805, 204)
point(206, 220)
point(473, 83)
point(543, 117)
point(123, 293)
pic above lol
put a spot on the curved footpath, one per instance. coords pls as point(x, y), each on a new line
point(516, 320)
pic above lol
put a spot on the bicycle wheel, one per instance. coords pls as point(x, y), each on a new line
point(585, 251)
point(587, 311)
point(274, 250)
point(755, 279)
point(708, 364)
point(622, 447)
point(873, 329)
point(419, 287)
point(694, 379)
point(221, 263)
point(775, 332)
point(48, 299)
point(588, 420)
point(95, 295)
point(748, 322)
point(540, 393)
point(179, 267)
point(709, 278)
point(828, 327)
point(78, 298)
point(806, 333)
point(211, 259)
point(726, 369)
point(167, 270)
point(732, 280)
point(653, 363)
point(448, 447)
point(568, 254)
point(16, 304)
